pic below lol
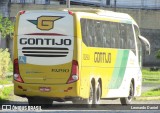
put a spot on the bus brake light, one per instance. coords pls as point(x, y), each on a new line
point(70, 12)
point(22, 12)
point(16, 73)
point(74, 74)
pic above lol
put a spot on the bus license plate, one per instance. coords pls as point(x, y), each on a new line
point(45, 89)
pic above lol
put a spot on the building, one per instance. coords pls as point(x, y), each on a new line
point(42, 2)
point(4, 8)
point(143, 4)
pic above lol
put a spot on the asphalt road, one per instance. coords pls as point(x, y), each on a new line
point(109, 106)
point(20, 100)
point(146, 87)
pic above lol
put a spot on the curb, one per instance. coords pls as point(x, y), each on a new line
point(148, 98)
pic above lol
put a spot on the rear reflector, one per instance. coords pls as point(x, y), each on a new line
point(75, 74)
point(20, 87)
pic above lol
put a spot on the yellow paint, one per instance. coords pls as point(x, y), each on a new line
point(15, 45)
point(46, 22)
point(96, 70)
point(88, 69)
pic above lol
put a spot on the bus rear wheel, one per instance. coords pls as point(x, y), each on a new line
point(91, 96)
point(127, 100)
point(97, 94)
point(88, 100)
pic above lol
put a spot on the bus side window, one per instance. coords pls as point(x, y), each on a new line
point(104, 39)
point(107, 34)
point(98, 39)
point(90, 33)
point(137, 32)
point(130, 36)
point(123, 36)
point(113, 43)
point(84, 26)
point(114, 35)
point(93, 33)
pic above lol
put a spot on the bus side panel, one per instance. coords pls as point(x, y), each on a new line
point(77, 50)
point(97, 63)
point(129, 69)
point(15, 50)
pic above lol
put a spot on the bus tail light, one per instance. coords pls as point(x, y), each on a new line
point(22, 12)
point(75, 73)
point(16, 73)
point(70, 12)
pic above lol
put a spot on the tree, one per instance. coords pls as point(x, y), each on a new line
point(6, 27)
point(158, 54)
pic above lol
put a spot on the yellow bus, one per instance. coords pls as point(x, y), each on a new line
point(78, 55)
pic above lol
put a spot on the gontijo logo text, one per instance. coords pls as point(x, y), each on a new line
point(45, 22)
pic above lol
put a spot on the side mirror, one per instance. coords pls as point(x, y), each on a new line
point(147, 44)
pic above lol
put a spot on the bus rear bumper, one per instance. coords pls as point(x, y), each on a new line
point(63, 91)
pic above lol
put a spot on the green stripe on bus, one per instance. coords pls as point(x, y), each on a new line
point(116, 69)
point(122, 68)
point(119, 69)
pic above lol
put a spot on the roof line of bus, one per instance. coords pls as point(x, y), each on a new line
point(110, 14)
point(100, 12)
point(95, 11)
point(88, 10)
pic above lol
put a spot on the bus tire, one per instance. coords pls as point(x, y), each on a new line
point(45, 102)
point(97, 95)
point(89, 100)
point(91, 96)
point(127, 100)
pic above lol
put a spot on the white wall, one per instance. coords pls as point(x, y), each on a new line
point(150, 4)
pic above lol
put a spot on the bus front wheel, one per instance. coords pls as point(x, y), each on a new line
point(127, 100)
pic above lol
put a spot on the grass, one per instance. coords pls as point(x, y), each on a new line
point(5, 93)
point(7, 80)
point(151, 93)
point(150, 76)
point(10, 67)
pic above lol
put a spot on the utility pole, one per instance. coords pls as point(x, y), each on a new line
point(68, 3)
point(115, 5)
point(101, 3)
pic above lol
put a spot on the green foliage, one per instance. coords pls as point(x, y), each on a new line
point(146, 72)
point(4, 62)
point(154, 92)
point(6, 27)
point(151, 76)
point(10, 67)
point(158, 54)
point(6, 81)
point(5, 93)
